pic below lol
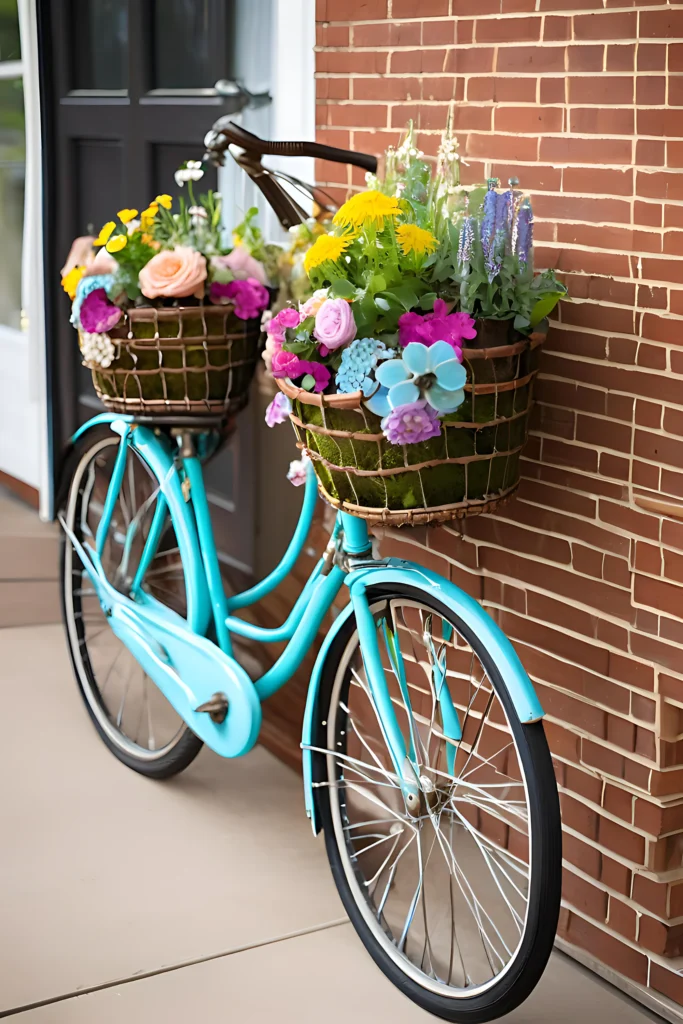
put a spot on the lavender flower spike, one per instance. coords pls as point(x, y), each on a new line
point(488, 221)
point(466, 242)
point(525, 231)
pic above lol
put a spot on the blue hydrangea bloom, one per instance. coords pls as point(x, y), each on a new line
point(85, 286)
point(359, 360)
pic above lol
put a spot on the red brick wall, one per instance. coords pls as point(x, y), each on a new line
point(583, 100)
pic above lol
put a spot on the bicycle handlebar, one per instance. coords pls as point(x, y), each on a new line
point(250, 148)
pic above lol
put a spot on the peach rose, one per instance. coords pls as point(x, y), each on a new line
point(174, 273)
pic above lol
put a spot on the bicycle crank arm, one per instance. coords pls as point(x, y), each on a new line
point(188, 669)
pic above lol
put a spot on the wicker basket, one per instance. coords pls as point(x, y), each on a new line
point(189, 360)
point(470, 468)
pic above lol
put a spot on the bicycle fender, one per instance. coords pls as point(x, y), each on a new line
point(410, 574)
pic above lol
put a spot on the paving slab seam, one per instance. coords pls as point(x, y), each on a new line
point(170, 968)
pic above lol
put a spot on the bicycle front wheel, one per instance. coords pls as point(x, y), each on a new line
point(457, 901)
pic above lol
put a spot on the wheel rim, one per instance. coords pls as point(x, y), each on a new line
point(445, 892)
point(125, 702)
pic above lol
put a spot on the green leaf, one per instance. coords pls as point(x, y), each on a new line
point(405, 295)
point(427, 300)
point(341, 289)
point(308, 383)
point(544, 307)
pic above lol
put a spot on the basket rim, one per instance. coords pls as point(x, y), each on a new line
point(354, 399)
point(152, 313)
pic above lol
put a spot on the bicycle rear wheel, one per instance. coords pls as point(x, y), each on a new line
point(131, 715)
point(458, 901)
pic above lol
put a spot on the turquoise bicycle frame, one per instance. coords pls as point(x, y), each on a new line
point(190, 669)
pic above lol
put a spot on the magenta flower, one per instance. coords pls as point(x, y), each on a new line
point(436, 326)
point(334, 325)
point(287, 364)
point(278, 410)
point(97, 314)
point(250, 297)
point(288, 317)
point(320, 374)
point(408, 424)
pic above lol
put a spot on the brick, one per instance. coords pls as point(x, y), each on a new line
point(615, 875)
point(581, 855)
point(609, 950)
point(506, 30)
point(621, 840)
point(622, 918)
point(669, 983)
point(586, 898)
point(605, 26)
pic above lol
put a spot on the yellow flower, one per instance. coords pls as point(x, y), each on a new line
point(117, 243)
point(236, 239)
point(367, 208)
point(164, 200)
point(411, 238)
point(327, 247)
point(70, 281)
point(147, 216)
point(125, 216)
point(105, 233)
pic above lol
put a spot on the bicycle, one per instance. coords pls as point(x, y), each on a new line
point(425, 762)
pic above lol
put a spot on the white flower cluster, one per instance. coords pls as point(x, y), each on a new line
point(448, 150)
point(97, 349)
point(192, 171)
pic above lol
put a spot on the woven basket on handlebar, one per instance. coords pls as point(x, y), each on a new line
point(189, 360)
point(469, 469)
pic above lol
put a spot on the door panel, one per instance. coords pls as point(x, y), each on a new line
point(131, 87)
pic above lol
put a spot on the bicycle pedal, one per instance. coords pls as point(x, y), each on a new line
point(216, 708)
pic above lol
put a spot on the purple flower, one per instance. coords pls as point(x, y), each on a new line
point(249, 297)
point(525, 231)
point(278, 410)
point(408, 424)
point(438, 325)
point(97, 314)
point(488, 221)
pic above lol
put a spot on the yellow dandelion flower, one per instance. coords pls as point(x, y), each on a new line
point(105, 233)
point(326, 247)
point(236, 239)
point(125, 216)
point(70, 281)
point(367, 208)
point(164, 200)
point(117, 243)
point(411, 238)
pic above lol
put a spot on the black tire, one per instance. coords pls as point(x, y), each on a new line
point(175, 756)
point(531, 956)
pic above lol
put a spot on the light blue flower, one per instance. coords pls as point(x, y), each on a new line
point(431, 373)
point(86, 285)
point(359, 360)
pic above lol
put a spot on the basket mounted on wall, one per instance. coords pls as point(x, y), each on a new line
point(470, 468)
point(187, 360)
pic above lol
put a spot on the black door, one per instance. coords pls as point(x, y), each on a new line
point(129, 93)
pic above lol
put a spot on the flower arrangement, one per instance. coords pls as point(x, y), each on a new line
point(416, 274)
point(168, 313)
point(168, 255)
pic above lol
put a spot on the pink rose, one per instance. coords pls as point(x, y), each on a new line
point(242, 264)
point(288, 317)
point(334, 324)
point(174, 273)
point(312, 305)
point(285, 364)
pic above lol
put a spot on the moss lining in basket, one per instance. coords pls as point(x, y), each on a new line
point(185, 360)
point(470, 468)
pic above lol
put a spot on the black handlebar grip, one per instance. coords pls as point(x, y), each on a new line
point(233, 134)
